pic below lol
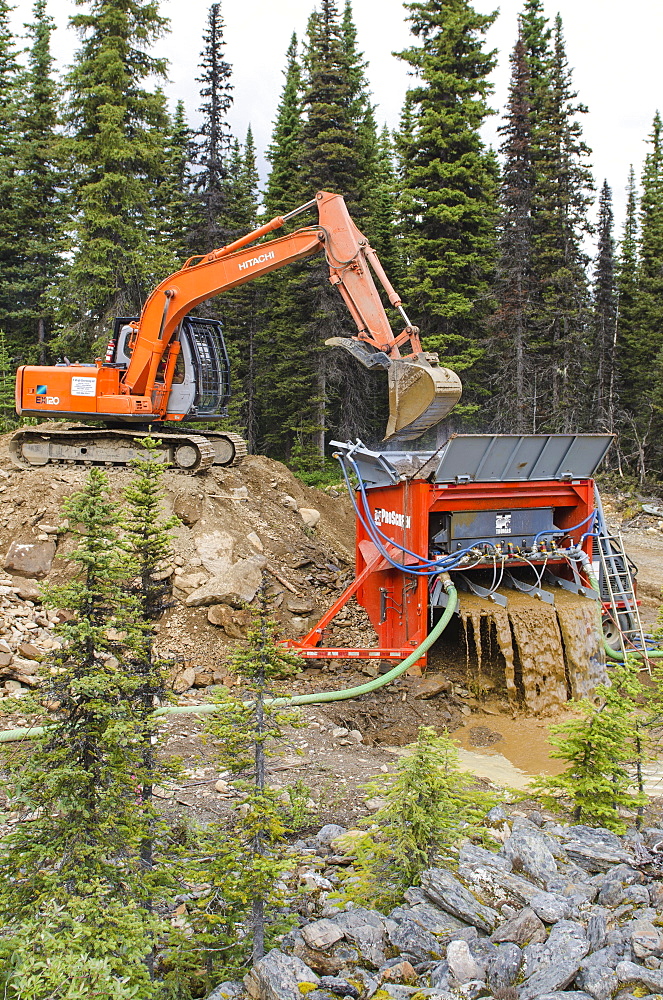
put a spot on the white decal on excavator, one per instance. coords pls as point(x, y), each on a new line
point(383, 516)
point(256, 260)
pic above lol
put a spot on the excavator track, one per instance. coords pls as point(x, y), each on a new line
point(35, 447)
point(229, 448)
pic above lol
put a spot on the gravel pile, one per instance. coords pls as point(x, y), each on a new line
point(558, 913)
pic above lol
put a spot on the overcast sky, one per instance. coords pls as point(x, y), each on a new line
point(614, 48)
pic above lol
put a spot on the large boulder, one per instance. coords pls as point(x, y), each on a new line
point(594, 848)
point(215, 551)
point(30, 559)
point(410, 938)
point(364, 929)
point(278, 977)
point(321, 934)
point(234, 622)
point(463, 966)
point(550, 978)
point(528, 851)
point(236, 586)
point(449, 894)
point(188, 506)
point(523, 928)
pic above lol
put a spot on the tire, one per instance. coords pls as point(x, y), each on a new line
point(612, 630)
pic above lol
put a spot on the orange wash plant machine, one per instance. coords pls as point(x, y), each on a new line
point(169, 366)
point(485, 513)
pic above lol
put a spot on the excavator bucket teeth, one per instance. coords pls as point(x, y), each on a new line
point(420, 392)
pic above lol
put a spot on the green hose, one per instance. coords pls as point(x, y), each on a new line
point(318, 698)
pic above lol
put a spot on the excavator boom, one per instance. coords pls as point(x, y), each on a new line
point(421, 392)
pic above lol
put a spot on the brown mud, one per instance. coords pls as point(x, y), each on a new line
point(541, 655)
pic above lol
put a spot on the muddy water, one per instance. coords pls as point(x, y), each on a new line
point(549, 653)
point(579, 624)
point(522, 740)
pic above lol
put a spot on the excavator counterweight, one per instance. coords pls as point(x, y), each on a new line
point(170, 366)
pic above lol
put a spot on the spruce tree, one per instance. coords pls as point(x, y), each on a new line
point(73, 866)
point(381, 224)
point(447, 201)
point(147, 542)
point(604, 319)
point(429, 804)
point(310, 389)
point(243, 866)
point(561, 198)
point(513, 401)
point(118, 131)
point(11, 84)
point(282, 381)
point(602, 748)
point(240, 308)
point(213, 142)
point(39, 197)
point(173, 192)
point(283, 189)
point(641, 356)
point(331, 153)
point(536, 36)
point(627, 287)
point(339, 153)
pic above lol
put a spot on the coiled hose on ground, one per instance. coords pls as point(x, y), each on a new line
point(317, 698)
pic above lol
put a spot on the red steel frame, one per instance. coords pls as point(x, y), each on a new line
point(396, 601)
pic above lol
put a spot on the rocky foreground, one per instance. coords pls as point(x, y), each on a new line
point(558, 913)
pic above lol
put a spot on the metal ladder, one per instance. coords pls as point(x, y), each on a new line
point(617, 585)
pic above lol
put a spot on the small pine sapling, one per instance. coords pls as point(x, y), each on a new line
point(244, 865)
point(428, 805)
point(148, 546)
point(73, 864)
point(604, 749)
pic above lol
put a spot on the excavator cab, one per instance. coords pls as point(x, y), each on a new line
point(200, 387)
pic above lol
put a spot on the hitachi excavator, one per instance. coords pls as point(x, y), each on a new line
point(170, 366)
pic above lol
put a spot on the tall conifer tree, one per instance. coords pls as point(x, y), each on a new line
point(280, 379)
point(602, 416)
point(328, 151)
point(644, 364)
point(118, 131)
point(627, 289)
point(173, 192)
point(74, 871)
point(10, 85)
point(240, 308)
point(561, 196)
point(513, 402)
point(283, 190)
point(39, 195)
point(448, 184)
point(213, 142)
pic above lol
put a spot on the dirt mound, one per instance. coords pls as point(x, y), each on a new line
point(235, 524)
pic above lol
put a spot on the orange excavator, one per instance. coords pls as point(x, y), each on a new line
point(170, 366)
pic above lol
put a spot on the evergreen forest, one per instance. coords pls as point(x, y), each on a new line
point(552, 322)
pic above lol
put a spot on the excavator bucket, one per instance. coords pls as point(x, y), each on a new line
point(421, 393)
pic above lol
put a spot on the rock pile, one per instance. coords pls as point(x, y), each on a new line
point(237, 526)
point(26, 637)
point(558, 913)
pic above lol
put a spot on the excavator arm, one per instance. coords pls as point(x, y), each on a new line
point(421, 392)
